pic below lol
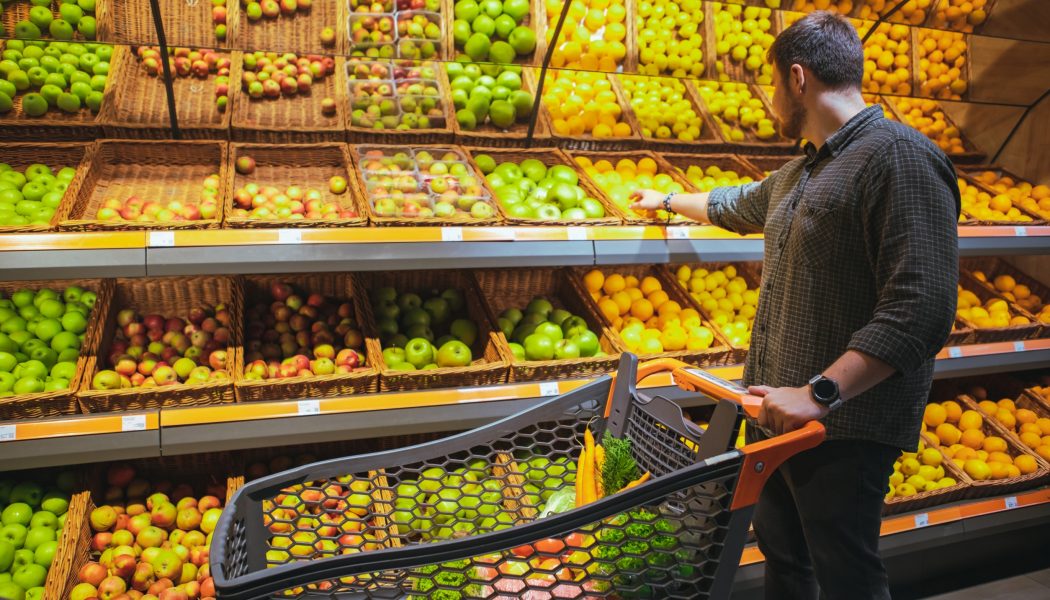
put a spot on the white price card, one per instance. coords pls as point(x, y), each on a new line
point(955, 352)
point(309, 407)
point(162, 239)
point(1010, 501)
point(133, 423)
point(678, 233)
point(451, 234)
point(922, 519)
point(1021, 231)
point(8, 433)
point(1018, 346)
point(576, 233)
point(289, 236)
point(549, 388)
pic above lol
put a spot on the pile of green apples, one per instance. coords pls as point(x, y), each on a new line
point(31, 196)
point(542, 332)
point(532, 190)
point(478, 23)
point(73, 16)
point(421, 332)
point(546, 476)
point(31, 523)
point(41, 334)
point(63, 75)
point(488, 94)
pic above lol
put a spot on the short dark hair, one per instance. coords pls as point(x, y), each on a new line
point(827, 44)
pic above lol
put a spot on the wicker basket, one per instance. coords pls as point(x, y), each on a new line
point(19, 11)
point(972, 171)
point(936, 497)
point(502, 289)
point(1033, 398)
point(441, 133)
point(970, 155)
point(992, 266)
point(718, 354)
point(292, 119)
point(987, 335)
point(156, 170)
point(628, 215)
point(589, 142)
point(75, 541)
point(307, 165)
point(551, 157)
point(709, 140)
point(167, 296)
point(989, 487)
point(934, 23)
point(490, 136)
point(359, 154)
point(751, 144)
point(137, 105)
point(752, 274)
point(62, 402)
point(968, 175)
point(206, 474)
point(185, 24)
point(54, 125)
point(734, 69)
point(64, 154)
point(339, 286)
point(489, 366)
point(299, 33)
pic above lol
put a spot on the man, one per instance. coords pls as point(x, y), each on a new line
point(858, 295)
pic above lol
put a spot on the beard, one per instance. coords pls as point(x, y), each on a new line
point(791, 124)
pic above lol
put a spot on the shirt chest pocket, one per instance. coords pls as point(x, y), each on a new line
point(815, 235)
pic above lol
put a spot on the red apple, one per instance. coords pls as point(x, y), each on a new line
point(92, 573)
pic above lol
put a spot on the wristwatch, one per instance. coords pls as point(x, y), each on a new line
point(825, 392)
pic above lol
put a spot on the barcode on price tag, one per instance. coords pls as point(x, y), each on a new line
point(955, 352)
point(451, 234)
point(922, 520)
point(163, 239)
point(549, 388)
point(678, 233)
point(1011, 501)
point(1021, 231)
point(133, 423)
point(289, 236)
point(1018, 346)
point(309, 407)
point(8, 433)
point(576, 234)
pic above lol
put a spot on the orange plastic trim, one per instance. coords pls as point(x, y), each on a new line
point(761, 459)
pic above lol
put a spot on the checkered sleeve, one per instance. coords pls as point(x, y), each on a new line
point(911, 203)
point(741, 209)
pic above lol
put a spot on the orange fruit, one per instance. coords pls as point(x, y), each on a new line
point(658, 298)
point(997, 470)
point(934, 415)
point(634, 293)
point(649, 285)
point(972, 438)
point(642, 309)
point(1030, 428)
point(1000, 457)
point(609, 309)
point(631, 281)
point(936, 441)
point(1032, 440)
point(988, 407)
point(1005, 283)
point(1026, 464)
point(1007, 404)
point(1024, 415)
point(976, 469)
point(1044, 425)
point(594, 280)
point(994, 443)
point(952, 410)
point(622, 300)
point(948, 434)
point(614, 283)
point(1006, 418)
point(669, 307)
point(970, 419)
point(1043, 451)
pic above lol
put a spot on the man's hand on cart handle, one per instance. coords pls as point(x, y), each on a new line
point(786, 409)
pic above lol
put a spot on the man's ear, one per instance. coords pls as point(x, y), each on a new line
point(798, 79)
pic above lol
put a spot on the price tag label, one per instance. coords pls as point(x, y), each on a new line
point(549, 388)
point(955, 352)
point(289, 236)
point(1018, 346)
point(576, 234)
point(162, 239)
point(451, 234)
point(1010, 501)
point(678, 233)
point(133, 423)
point(309, 407)
point(8, 433)
point(922, 519)
point(1021, 231)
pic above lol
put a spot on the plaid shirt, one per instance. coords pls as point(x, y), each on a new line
point(861, 253)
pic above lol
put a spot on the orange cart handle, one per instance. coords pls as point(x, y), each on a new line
point(697, 380)
point(762, 458)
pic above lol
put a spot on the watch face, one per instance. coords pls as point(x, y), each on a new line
point(824, 389)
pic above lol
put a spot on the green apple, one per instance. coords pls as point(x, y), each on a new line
point(16, 534)
point(30, 576)
point(419, 352)
point(517, 350)
point(10, 590)
point(588, 343)
point(17, 513)
point(394, 356)
point(44, 518)
point(465, 331)
point(539, 347)
point(564, 349)
point(37, 536)
point(454, 354)
point(549, 330)
point(7, 555)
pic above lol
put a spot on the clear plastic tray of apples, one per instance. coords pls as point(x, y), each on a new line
point(366, 69)
point(365, 43)
point(415, 183)
point(419, 34)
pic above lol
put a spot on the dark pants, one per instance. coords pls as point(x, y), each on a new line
point(817, 522)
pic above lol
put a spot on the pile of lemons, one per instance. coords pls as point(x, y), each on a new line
point(592, 37)
point(584, 103)
point(619, 180)
point(744, 34)
point(725, 297)
point(736, 110)
point(663, 108)
point(670, 38)
point(986, 207)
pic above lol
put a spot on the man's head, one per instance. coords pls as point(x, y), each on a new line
point(820, 53)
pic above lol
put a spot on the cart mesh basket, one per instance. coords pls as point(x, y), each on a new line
point(460, 517)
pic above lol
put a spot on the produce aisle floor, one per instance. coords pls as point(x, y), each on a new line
point(1021, 587)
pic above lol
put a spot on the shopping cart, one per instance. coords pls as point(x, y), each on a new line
point(460, 517)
